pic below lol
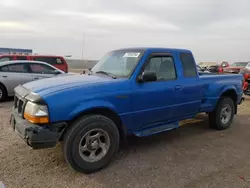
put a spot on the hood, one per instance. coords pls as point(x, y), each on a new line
point(57, 83)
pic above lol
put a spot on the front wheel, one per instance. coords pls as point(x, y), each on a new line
point(222, 117)
point(91, 143)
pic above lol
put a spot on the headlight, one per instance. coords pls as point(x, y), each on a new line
point(36, 113)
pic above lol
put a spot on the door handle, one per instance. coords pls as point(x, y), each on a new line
point(178, 87)
point(36, 78)
point(5, 76)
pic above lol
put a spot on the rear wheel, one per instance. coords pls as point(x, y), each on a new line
point(91, 143)
point(3, 93)
point(222, 117)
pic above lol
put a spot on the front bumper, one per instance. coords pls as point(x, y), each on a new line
point(38, 137)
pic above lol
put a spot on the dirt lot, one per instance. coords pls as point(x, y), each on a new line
point(191, 156)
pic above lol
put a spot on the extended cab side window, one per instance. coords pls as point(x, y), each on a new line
point(188, 65)
point(164, 67)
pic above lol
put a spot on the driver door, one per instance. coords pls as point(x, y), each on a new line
point(157, 101)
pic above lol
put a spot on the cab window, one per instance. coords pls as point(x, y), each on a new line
point(188, 65)
point(163, 66)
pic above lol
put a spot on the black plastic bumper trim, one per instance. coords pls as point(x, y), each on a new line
point(37, 136)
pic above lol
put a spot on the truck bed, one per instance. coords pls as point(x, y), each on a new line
point(221, 77)
point(215, 84)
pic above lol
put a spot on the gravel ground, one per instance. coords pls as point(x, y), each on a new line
point(191, 156)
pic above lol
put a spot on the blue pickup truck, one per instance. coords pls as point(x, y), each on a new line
point(134, 91)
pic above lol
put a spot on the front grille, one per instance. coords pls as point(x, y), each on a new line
point(19, 104)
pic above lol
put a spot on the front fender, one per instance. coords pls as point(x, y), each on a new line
point(82, 107)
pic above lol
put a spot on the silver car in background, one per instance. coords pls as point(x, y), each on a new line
point(14, 73)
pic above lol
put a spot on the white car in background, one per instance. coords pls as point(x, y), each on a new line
point(248, 66)
point(14, 73)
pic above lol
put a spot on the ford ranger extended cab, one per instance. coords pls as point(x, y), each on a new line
point(135, 91)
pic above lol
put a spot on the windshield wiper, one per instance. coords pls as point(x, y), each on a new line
point(107, 73)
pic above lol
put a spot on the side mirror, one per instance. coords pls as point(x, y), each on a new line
point(147, 77)
point(56, 72)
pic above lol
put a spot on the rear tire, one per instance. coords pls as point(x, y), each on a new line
point(3, 93)
point(222, 117)
point(91, 143)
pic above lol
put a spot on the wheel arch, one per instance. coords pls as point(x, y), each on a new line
point(105, 111)
point(231, 93)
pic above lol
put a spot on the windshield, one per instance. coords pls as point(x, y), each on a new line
point(120, 63)
point(239, 64)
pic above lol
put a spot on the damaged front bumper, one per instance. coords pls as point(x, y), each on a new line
point(37, 136)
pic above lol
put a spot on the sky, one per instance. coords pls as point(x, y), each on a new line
point(215, 30)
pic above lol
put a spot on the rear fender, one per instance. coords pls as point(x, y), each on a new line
point(227, 88)
point(230, 89)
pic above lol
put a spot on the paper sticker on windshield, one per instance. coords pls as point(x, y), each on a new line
point(131, 54)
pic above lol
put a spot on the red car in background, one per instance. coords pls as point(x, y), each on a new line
point(246, 73)
point(57, 61)
point(215, 69)
point(235, 67)
point(218, 68)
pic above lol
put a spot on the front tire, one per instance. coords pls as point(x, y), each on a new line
point(222, 117)
point(91, 143)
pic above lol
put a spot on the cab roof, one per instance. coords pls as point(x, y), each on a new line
point(155, 49)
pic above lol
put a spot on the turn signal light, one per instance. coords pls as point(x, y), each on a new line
point(36, 120)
